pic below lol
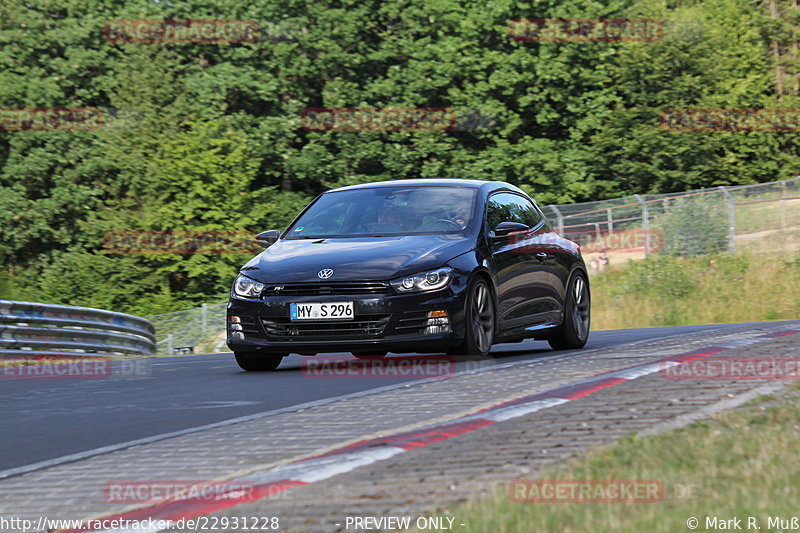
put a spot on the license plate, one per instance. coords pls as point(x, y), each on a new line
point(321, 311)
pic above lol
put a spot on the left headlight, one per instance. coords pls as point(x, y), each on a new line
point(424, 281)
point(246, 287)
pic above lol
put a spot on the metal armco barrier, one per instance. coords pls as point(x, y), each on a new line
point(28, 328)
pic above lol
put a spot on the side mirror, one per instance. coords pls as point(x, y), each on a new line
point(504, 228)
point(268, 238)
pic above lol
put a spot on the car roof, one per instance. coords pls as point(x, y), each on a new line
point(430, 182)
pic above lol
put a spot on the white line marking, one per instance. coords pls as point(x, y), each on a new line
point(741, 342)
point(645, 370)
point(346, 463)
point(501, 414)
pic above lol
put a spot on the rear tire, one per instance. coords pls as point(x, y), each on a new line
point(574, 330)
point(479, 321)
point(256, 362)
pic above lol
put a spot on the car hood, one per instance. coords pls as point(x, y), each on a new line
point(354, 259)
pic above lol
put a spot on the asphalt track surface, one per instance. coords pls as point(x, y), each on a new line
point(47, 419)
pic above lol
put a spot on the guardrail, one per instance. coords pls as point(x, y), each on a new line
point(29, 328)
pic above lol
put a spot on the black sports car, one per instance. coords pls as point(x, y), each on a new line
point(438, 265)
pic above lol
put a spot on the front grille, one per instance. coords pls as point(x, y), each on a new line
point(363, 327)
point(325, 289)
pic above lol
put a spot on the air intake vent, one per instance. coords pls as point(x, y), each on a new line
point(363, 327)
point(323, 289)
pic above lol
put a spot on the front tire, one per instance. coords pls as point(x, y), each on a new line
point(479, 321)
point(574, 330)
point(256, 362)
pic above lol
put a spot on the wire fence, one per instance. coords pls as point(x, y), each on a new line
point(198, 330)
point(762, 218)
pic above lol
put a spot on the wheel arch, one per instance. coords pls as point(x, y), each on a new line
point(579, 267)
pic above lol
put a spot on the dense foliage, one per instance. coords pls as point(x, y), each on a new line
point(209, 135)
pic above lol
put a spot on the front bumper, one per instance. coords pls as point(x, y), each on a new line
point(396, 323)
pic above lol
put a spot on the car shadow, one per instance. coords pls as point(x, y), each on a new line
point(306, 364)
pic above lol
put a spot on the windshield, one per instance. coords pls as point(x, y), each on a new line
point(382, 211)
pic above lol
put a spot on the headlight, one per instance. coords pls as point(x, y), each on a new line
point(424, 281)
point(246, 287)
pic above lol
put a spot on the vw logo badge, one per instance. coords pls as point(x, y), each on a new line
point(325, 273)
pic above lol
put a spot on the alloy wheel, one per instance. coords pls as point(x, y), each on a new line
point(580, 308)
point(482, 317)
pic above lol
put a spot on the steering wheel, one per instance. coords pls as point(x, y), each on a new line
point(455, 224)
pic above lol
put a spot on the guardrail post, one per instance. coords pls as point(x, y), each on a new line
point(731, 221)
point(645, 224)
point(560, 220)
point(203, 317)
point(169, 344)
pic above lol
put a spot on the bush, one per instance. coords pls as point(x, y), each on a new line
point(695, 226)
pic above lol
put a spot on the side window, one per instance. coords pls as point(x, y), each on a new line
point(540, 215)
point(508, 207)
point(534, 215)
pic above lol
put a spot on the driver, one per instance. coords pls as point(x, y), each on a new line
point(460, 216)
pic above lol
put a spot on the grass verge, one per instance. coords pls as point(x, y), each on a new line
point(709, 289)
point(737, 464)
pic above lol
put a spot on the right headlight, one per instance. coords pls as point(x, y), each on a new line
point(246, 287)
point(424, 281)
